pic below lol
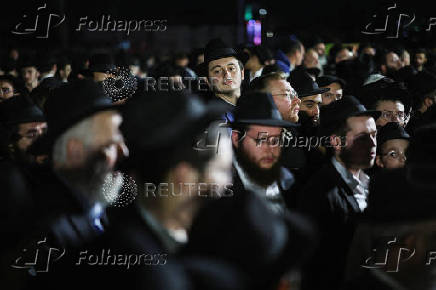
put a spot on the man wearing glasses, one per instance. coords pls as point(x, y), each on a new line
point(336, 86)
point(257, 140)
point(392, 143)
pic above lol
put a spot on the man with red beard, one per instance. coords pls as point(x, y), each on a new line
point(337, 194)
point(257, 140)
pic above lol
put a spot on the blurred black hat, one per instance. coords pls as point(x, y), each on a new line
point(333, 114)
point(20, 109)
point(69, 104)
point(259, 108)
point(326, 80)
point(101, 62)
point(304, 84)
point(391, 130)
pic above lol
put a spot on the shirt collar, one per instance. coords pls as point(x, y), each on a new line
point(348, 177)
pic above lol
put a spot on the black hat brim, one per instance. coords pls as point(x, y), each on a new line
point(314, 92)
point(267, 122)
point(44, 144)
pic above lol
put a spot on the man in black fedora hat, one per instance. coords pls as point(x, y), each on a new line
point(392, 144)
point(257, 141)
point(336, 86)
point(336, 195)
point(310, 95)
point(423, 86)
point(223, 68)
point(29, 73)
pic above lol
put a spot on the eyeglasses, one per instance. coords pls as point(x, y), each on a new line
point(270, 140)
point(391, 115)
point(395, 155)
point(337, 97)
point(290, 95)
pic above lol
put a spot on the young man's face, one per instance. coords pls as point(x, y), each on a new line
point(420, 59)
point(333, 95)
point(359, 151)
point(392, 111)
point(310, 105)
point(260, 145)
point(311, 59)
point(285, 98)
point(393, 61)
point(225, 74)
point(30, 74)
point(393, 154)
point(6, 90)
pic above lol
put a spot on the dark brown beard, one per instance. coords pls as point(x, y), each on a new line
point(260, 176)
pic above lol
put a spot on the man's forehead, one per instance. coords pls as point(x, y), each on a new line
point(389, 104)
point(361, 123)
point(312, 99)
point(266, 129)
point(223, 62)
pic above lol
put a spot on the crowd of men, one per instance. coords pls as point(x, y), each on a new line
point(251, 167)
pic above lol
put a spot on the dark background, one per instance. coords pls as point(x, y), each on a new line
point(191, 23)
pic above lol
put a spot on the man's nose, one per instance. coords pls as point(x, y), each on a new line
point(122, 150)
point(316, 110)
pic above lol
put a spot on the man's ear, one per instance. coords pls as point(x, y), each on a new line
point(242, 74)
point(235, 138)
point(379, 162)
point(336, 142)
point(428, 102)
point(75, 152)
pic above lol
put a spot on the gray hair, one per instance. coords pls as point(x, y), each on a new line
point(83, 131)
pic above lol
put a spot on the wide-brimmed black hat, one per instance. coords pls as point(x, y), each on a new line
point(304, 84)
point(101, 62)
point(391, 130)
point(68, 105)
point(217, 49)
point(326, 80)
point(241, 230)
point(333, 114)
point(259, 109)
point(20, 109)
point(164, 118)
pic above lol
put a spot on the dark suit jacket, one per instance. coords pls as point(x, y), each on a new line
point(330, 203)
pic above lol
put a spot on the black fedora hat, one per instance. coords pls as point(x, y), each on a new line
point(258, 108)
point(326, 80)
point(20, 109)
point(168, 117)
point(304, 84)
point(391, 130)
point(337, 112)
point(217, 49)
point(69, 104)
point(101, 62)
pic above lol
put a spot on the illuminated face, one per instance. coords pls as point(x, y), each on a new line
point(285, 98)
point(261, 145)
point(334, 94)
point(359, 151)
point(393, 154)
point(28, 133)
point(30, 74)
point(393, 61)
point(310, 105)
point(392, 111)
point(225, 74)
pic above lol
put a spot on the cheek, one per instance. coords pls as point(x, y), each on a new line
point(23, 144)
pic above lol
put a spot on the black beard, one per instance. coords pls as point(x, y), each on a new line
point(262, 177)
point(90, 178)
point(308, 126)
